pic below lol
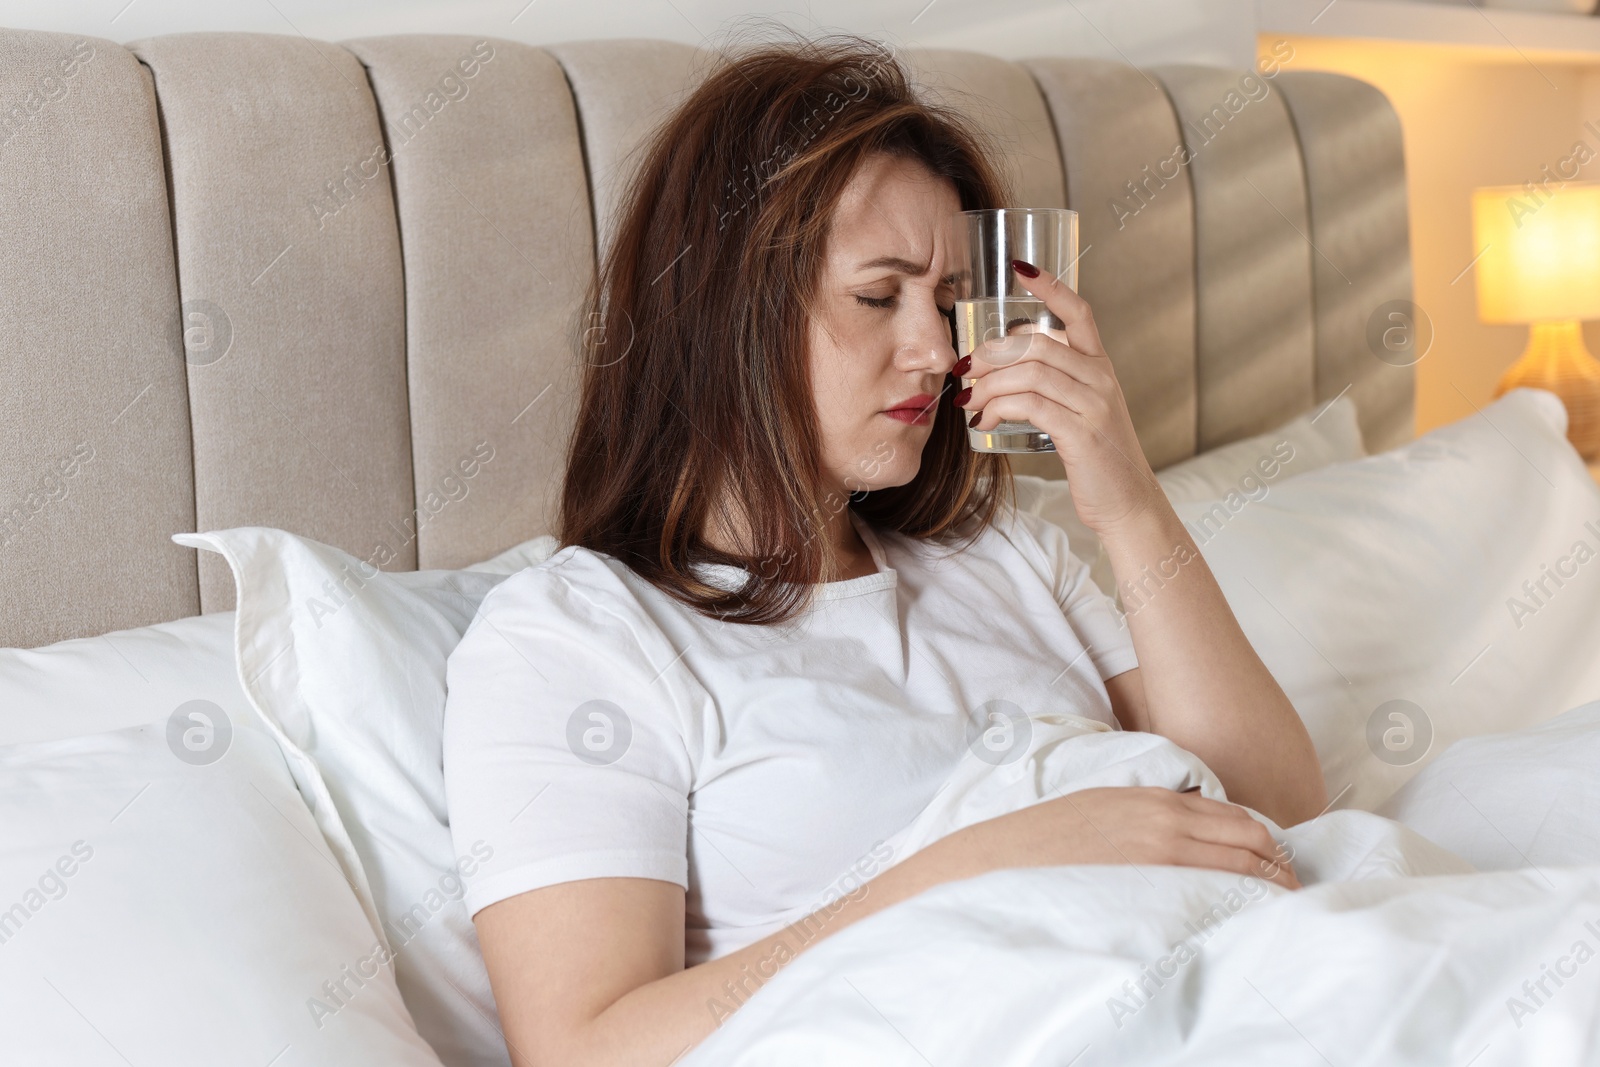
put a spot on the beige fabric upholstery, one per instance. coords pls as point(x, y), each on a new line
point(495, 232)
point(622, 90)
point(1001, 99)
point(302, 423)
point(359, 335)
point(1136, 238)
point(1356, 179)
point(1252, 253)
point(90, 358)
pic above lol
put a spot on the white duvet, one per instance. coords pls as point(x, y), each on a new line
point(1396, 952)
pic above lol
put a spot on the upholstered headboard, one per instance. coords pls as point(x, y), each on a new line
point(220, 307)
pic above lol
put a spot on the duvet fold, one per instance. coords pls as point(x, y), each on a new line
point(1397, 952)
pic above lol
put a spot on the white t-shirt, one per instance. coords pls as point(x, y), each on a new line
point(595, 727)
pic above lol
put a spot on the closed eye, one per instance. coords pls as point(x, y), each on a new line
point(888, 302)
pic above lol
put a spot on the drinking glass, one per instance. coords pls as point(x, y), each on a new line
point(990, 299)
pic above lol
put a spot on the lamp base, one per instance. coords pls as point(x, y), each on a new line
point(1557, 360)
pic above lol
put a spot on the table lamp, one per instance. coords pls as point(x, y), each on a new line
point(1540, 265)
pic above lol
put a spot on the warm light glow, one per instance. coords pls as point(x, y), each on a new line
point(1543, 252)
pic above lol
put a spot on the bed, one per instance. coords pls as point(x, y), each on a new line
point(287, 331)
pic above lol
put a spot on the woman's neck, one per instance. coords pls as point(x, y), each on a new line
point(851, 556)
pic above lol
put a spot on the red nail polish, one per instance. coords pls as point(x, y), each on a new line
point(975, 417)
point(1027, 270)
point(963, 365)
point(963, 396)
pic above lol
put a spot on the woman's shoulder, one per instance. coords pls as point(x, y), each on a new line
point(1015, 538)
point(549, 641)
point(574, 585)
point(969, 537)
point(1020, 525)
point(1009, 530)
point(567, 621)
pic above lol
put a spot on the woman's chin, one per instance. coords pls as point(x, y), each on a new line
point(888, 478)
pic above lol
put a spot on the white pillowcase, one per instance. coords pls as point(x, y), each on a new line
point(165, 898)
point(1330, 434)
point(1509, 801)
point(348, 663)
point(90, 685)
point(1396, 578)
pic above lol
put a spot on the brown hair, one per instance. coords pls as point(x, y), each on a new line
point(696, 386)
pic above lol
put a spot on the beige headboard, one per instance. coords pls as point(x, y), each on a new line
point(219, 307)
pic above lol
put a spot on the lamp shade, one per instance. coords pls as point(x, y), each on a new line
point(1541, 252)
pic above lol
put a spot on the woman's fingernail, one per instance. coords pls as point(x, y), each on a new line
point(963, 396)
point(975, 417)
point(1024, 268)
point(963, 365)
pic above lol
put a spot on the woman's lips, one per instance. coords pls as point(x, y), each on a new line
point(917, 411)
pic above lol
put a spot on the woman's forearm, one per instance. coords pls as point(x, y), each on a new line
point(1204, 686)
point(657, 1022)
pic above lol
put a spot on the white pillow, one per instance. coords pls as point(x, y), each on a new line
point(1383, 593)
point(348, 663)
point(1330, 434)
point(165, 898)
point(1504, 802)
point(92, 684)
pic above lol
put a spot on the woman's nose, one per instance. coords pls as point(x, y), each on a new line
point(937, 357)
point(933, 347)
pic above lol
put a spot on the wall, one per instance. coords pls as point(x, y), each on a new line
point(1467, 123)
point(1149, 31)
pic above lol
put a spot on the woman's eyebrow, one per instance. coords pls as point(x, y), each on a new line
point(904, 266)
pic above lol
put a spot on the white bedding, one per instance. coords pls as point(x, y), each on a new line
point(1392, 954)
point(1042, 966)
point(1529, 798)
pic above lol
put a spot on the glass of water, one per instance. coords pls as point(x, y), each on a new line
point(991, 302)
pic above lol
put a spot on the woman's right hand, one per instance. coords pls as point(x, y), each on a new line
point(1133, 825)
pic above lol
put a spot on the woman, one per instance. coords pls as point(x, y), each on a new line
point(787, 590)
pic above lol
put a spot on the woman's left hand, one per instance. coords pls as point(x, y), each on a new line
point(1062, 382)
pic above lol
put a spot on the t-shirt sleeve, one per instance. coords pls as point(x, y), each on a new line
point(564, 751)
point(1093, 614)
